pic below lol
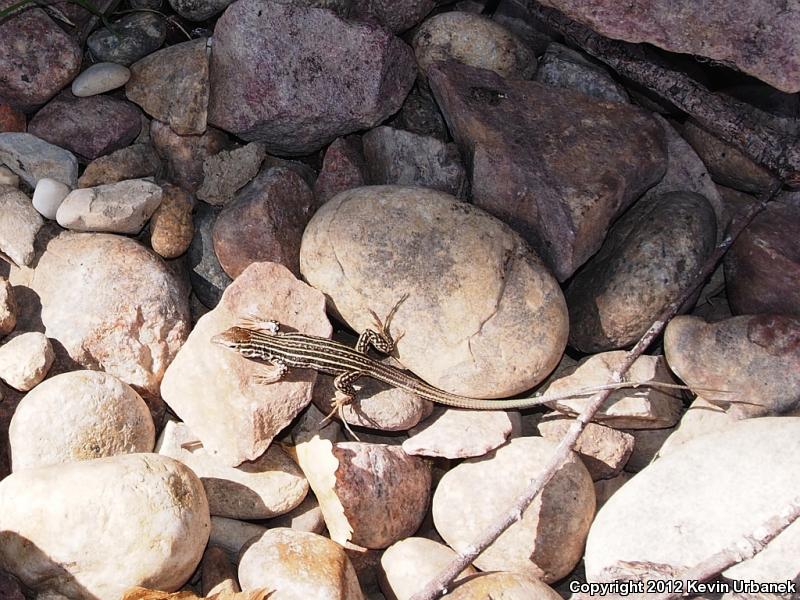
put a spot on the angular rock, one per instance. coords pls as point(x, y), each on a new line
point(184, 155)
point(135, 36)
point(208, 278)
point(19, 225)
point(122, 207)
point(454, 433)
point(454, 331)
point(474, 40)
point(265, 222)
point(80, 415)
point(8, 308)
point(11, 119)
point(48, 196)
point(343, 168)
point(37, 58)
point(133, 162)
point(171, 227)
point(119, 522)
point(297, 111)
point(396, 15)
point(32, 158)
point(25, 360)
point(171, 85)
point(647, 261)
point(567, 68)
point(575, 181)
point(227, 172)
point(213, 390)
point(420, 114)
point(89, 127)
point(100, 78)
point(397, 157)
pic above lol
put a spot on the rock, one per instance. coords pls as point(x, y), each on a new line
point(11, 119)
point(19, 225)
point(575, 181)
point(232, 535)
point(397, 157)
point(7, 177)
point(89, 127)
point(37, 58)
point(10, 587)
point(25, 360)
point(605, 488)
point(396, 15)
point(122, 207)
point(133, 162)
point(118, 522)
point(100, 78)
point(770, 53)
point(264, 222)
point(474, 40)
point(506, 585)
point(298, 565)
point(213, 390)
point(219, 575)
point(227, 172)
point(740, 477)
point(751, 360)
point(648, 260)
point(80, 415)
point(32, 158)
point(646, 447)
point(454, 331)
point(48, 196)
point(306, 516)
point(548, 541)
point(171, 227)
point(127, 316)
point(134, 36)
point(184, 155)
point(646, 407)
point(762, 268)
point(355, 88)
point(309, 424)
point(171, 85)
point(454, 433)
point(8, 308)
point(199, 10)
point(701, 418)
point(306, 172)
point(567, 68)
point(343, 168)
point(420, 114)
point(408, 562)
point(371, 495)
point(208, 278)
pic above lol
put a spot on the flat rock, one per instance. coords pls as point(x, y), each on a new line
point(264, 222)
point(134, 162)
point(396, 15)
point(343, 168)
point(558, 184)
point(184, 155)
point(398, 157)
point(122, 207)
point(457, 433)
point(266, 487)
point(298, 111)
point(11, 119)
point(93, 529)
point(548, 541)
point(356, 250)
point(171, 227)
point(128, 315)
point(37, 58)
point(758, 38)
point(649, 258)
point(564, 67)
point(753, 361)
point(32, 158)
point(48, 196)
point(135, 36)
point(213, 389)
point(19, 225)
point(25, 360)
point(740, 477)
point(100, 78)
point(228, 171)
point(8, 307)
point(171, 85)
point(80, 415)
point(89, 127)
point(208, 278)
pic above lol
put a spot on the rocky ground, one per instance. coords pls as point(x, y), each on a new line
point(186, 165)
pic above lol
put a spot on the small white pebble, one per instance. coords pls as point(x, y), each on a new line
point(8, 177)
point(99, 78)
point(48, 196)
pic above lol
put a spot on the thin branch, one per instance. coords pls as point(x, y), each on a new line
point(440, 584)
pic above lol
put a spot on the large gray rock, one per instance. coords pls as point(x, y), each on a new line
point(32, 159)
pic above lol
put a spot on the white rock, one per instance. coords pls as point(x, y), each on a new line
point(8, 177)
point(122, 207)
point(92, 529)
point(48, 195)
point(79, 415)
point(25, 360)
point(18, 226)
point(99, 78)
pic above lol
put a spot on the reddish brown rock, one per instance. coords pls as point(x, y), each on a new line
point(342, 169)
point(11, 119)
point(89, 127)
point(397, 15)
point(554, 164)
point(265, 222)
point(132, 162)
point(171, 227)
point(184, 155)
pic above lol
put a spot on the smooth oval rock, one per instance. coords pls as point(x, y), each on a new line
point(99, 78)
point(19, 225)
point(48, 196)
point(135, 35)
point(79, 415)
point(92, 529)
point(25, 360)
point(171, 227)
point(548, 541)
point(122, 207)
point(32, 159)
point(492, 296)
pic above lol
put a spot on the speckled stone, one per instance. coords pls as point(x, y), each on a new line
point(135, 35)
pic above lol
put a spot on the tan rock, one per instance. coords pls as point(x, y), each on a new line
point(122, 207)
point(701, 418)
point(225, 172)
point(99, 78)
point(509, 586)
point(19, 225)
point(8, 307)
point(458, 433)
point(132, 162)
point(171, 226)
point(25, 360)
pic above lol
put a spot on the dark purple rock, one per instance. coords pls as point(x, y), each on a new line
point(208, 278)
point(342, 169)
point(304, 77)
point(89, 127)
point(36, 58)
point(135, 36)
point(397, 15)
point(421, 115)
point(556, 165)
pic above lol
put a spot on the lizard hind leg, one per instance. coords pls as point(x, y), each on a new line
point(381, 339)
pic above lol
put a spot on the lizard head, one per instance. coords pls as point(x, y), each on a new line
point(235, 338)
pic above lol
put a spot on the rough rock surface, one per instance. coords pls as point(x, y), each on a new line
point(208, 277)
point(19, 225)
point(226, 172)
point(455, 433)
point(25, 360)
point(11, 119)
point(343, 168)
point(133, 162)
point(32, 158)
point(354, 75)
point(397, 15)
point(503, 584)
point(8, 307)
point(199, 10)
point(184, 155)
point(134, 36)
point(564, 67)
point(122, 207)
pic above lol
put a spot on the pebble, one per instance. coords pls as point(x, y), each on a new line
point(100, 78)
point(133, 162)
point(8, 307)
point(25, 360)
point(48, 196)
point(227, 171)
point(32, 158)
point(80, 415)
point(7, 177)
point(135, 36)
point(171, 227)
point(207, 276)
point(19, 225)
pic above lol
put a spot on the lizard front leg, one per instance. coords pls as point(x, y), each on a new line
point(270, 375)
point(381, 339)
